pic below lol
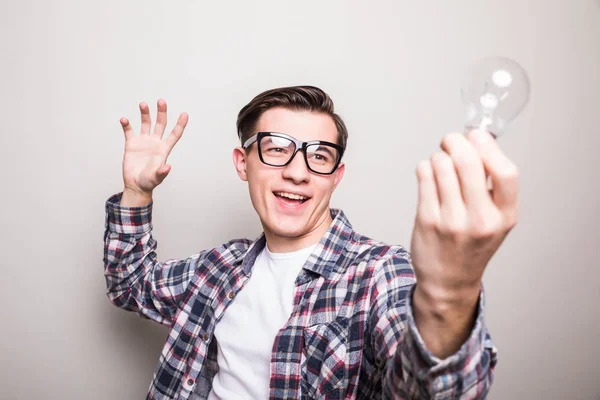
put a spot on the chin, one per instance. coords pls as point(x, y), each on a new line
point(288, 227)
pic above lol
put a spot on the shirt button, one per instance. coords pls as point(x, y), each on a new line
point(205, 337)
point(190, 382)
point(231, 295)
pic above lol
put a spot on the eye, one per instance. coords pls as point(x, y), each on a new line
point(320, 158)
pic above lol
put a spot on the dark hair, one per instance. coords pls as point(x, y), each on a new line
point(301, 98)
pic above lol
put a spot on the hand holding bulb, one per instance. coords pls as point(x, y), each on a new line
point(460, 222)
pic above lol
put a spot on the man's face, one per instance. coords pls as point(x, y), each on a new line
point(270, 187)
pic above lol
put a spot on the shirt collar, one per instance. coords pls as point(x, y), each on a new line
point(324, 259)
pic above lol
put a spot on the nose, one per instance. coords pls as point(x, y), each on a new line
point(297, 170)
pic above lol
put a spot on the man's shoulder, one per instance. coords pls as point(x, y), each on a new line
point(381, 261)
point(231, 252)
point(361, 246)
point(235, 246)
point(365, 248)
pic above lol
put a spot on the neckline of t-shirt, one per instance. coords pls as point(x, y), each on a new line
point(293, 254)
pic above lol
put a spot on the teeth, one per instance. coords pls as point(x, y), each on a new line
point(291, 196)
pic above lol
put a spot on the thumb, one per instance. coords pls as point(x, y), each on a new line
point(162, 172)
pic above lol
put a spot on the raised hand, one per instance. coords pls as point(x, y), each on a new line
point(144, 161)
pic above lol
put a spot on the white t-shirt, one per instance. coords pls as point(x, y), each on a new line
point(246, 333)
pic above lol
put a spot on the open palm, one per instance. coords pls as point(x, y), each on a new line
point(144, 162)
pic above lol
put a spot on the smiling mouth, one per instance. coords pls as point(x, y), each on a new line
point(291, 198)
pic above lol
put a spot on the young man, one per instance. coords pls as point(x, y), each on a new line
point(312, 309)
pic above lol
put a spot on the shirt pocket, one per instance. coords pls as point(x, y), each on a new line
point(326, 360)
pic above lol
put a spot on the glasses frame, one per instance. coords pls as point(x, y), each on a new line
point(299, 145)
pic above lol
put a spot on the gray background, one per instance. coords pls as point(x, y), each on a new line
point(70, 69)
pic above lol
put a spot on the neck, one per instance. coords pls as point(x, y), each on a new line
point(287, 244)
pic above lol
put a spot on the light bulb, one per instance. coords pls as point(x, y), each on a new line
point(494, 91)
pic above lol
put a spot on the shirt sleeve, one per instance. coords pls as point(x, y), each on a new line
point(409, 369)
point(136, 281)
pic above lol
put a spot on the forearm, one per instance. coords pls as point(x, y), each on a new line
point(132, 271)
point(444, 320)
point(129, 250)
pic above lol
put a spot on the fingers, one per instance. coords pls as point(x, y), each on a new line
point(177, 131)
point(127, 129)
point(469, 168)
point(448, 186)
point(504, 174)
point(161, 122)
point(428, 207)
point(146, 121)
point(161, 118)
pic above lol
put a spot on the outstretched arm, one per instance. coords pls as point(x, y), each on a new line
point(433, 332)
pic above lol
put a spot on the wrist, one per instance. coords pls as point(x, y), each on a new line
point(443, 320)
point(135, 198)
point(443, 300)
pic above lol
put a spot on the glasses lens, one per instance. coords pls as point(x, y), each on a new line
point(276, 150)
point(322, 158)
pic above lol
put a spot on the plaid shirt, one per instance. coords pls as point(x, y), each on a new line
point(351, 334)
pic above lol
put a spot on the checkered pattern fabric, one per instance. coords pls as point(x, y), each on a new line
point(351, 334)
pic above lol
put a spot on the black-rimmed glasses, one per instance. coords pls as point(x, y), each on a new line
point(278, 150)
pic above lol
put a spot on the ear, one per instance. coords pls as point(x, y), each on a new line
point(339, 174)
point(239, 161)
